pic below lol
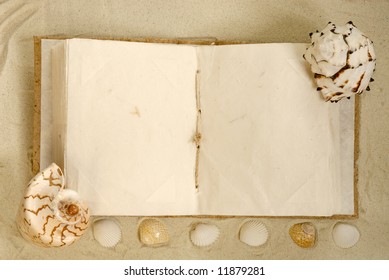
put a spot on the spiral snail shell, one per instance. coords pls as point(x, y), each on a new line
point(342, 59)
point(50, 215)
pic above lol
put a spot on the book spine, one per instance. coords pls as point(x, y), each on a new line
point(197, 136)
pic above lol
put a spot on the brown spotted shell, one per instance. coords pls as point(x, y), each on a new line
point(153, 232)
point(50, 215)
point(342, 59)
point(303, 234)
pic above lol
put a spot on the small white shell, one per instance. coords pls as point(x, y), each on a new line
point(343, 60)
point(204, 234)
point(345, 235)
point(253, 233)
point(107, 232)
point(153, 232)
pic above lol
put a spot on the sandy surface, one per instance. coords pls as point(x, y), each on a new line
point(256, 21)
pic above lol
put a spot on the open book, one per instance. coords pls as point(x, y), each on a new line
point(169, 129)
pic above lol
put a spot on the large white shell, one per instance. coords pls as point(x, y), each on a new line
point(50, 215)
point(107, 232)
point(253, 233)
point(153, 232)
point(204, 234)
point(343, 60)
point(345, 235)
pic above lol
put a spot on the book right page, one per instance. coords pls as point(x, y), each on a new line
point(271, 146)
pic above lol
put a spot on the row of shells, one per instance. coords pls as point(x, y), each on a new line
point(153, 232)
point(53, 216)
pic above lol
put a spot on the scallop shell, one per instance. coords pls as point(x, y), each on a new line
point(303, 234)
point(253, 233)
point(204, 234)
point(50, 215)
point(345, 235)
point(107, 232)
point(342, 59)
point(153, 232)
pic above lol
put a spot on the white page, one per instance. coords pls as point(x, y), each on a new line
point(271, 145)
point(46, 136)
point(131, 120)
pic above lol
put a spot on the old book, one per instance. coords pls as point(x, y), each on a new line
point(184, 129)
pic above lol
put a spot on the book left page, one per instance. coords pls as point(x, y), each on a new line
point(131, 117)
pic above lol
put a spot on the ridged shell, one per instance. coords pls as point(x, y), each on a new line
point(345, 235)
point(107, 232)
point(50, 215)
point(253, 233)
point(342, 59)
point(303, 234)
point(153, 232)
point(204, 234)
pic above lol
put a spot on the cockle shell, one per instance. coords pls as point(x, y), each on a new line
point(342, 59)
point(153, 232)
point(303, 234)
point(204, 234)
point(345, 235)
point(50, 215)
point(253, 233)
point(107, 232)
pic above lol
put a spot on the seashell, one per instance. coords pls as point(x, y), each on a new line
point(153, 232)
point(253, 233)
point(50, 215)
point(204, 234)
point(345, 235)
point(342, 59)
point(303, 234)
point(107, 232)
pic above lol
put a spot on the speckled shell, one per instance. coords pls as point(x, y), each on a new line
point(345, 235)
point(153, 232)
point(253, 233)
point(303, 234)
point(204, 234)
point(342, 59)
point(50, 215)
point(107, 232)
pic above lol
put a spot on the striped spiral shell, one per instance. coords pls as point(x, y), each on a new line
point(342, 59)
point(50, 215)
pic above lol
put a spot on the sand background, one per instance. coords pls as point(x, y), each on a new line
point(254, 21)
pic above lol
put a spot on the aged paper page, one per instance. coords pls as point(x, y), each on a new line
point(131, 120)
point(271, 145)
point(46, 135)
